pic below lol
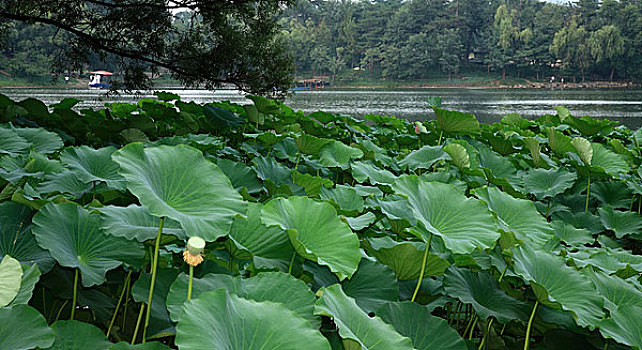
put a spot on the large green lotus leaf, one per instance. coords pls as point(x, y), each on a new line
point(66, 181)
point(554, 282)
point(269, 168)
point(30, 276)
point(517, 215)
point(42, 141)
point(622, 223)
point(76, 335)
point(482, 291)
point(405, 258)
point(458, 154)
point(456, 122)
point(607, 161)
point(73, 237)
point(12, 144)
point(423, 158)
point(177, 182)
point(624, 326)
point(571, 235)
point(372, 286)
point(23, 328)
point(267, 242)
point(607, 260)
point(354, 324)
point(218, 320)
point(345, 197)
point(16, 238)
point(316, 232)
point(362, 171)
point(311, 184)
point(240, 175)
point(160, 324)
point(498, 169)
point(360, 222)
point(544, 183)
point(10, 279)
point(309, 144)
point(613, 194)
point(588, 126)
point(532, 144)
point(93, 165)
point(276, 287)
point(583, 148)
point(135, 222)
point(337, 154)
point(426, 331)
point(558, 142)
point(616, 291)
point(463, 223)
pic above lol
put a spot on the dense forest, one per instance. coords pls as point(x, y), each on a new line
point(588, 39)
point(422, 39)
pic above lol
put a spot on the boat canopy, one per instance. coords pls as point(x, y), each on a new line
point(101, 72)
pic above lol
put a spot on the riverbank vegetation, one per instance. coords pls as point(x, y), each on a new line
point(322, 231)
point(398, 41)
point(349, 43)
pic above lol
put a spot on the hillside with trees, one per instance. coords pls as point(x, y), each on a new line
point(530, 39)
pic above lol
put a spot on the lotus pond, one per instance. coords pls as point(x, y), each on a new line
point(318, 231)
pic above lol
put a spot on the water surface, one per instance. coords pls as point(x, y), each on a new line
point(489, 105)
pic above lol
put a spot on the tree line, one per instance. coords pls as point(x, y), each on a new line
point(419, 39)
point(249, 43)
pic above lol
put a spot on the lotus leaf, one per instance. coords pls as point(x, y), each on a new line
point(482, 291)
point(517, 215)
point(555, 283)
point(426, 331)
point(372, 286)
point(76, 335)
point(135, 222)
point(463, 223)
point(624, 326)
point(92, 165)
point(179, 183)
point(423, 158)
point(354, 324)
point(221, 320)
point(622, 223)
point(23, 328)
point(316, 232)
point(74, 238)
point(16, 238)
point(10, 279)
point(276, 287)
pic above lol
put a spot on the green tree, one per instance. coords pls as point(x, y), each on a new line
point(607, 45)
point(506, 35)
point(225, 42)
point(570, 45)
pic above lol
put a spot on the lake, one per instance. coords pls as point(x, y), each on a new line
point(489, 105)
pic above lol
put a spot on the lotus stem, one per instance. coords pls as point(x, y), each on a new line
point(423, 269)
point(191, 280)
point(483, 341)
point(588, 191)
point(470, 322)
point(640, 205)
point(528, 328)
point(129, 285)
point(472, 329)
point(60, 311)
point(113, 318)
point(291, 263)
point(440, 136)
point(153, 282)
point(140, 317)
point(73, 303)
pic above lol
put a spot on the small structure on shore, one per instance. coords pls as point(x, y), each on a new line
point(314, 83)
point(95, 79)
